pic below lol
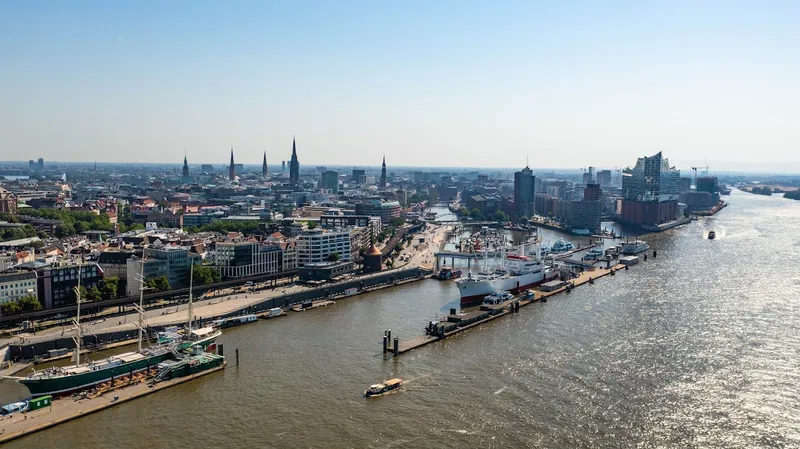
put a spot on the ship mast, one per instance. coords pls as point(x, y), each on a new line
point(141, 307)
point(77, 320)
point(191, 305)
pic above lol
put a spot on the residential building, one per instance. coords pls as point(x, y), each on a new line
point(17, 284)
point(316, 245)
point(8, 202)
point(115, 263)
point(239, 259)
point(347, 221)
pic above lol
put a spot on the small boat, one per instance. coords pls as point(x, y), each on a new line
point(712, 235)
point(633, 248)
point(497, 298)
point(562, 246)
point(583, 232)
point(594, 254)
point(385, 387)
point(447, 273)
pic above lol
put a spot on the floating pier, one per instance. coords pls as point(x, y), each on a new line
point(457, 323)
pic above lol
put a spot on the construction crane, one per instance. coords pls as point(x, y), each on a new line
point(695, 174)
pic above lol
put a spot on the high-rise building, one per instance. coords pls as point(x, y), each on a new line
point(40, 164)
point(523, 192)
point(382, 183)
point(31, 165)
point(264, 169)
point(591, 192)
point(232, 168)
point(604, 178)
point(359, 176)
point(294, 165)
point(185, 167)
point(283, 166)
point(650, 191)
point(207, 168)
point(330, 181)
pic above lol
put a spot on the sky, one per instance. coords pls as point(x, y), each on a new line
point(428, 83)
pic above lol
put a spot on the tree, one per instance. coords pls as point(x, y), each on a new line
point(159, 284)
point(109, 287)
point(312, 224)
point(390, 263)
point(93, 294)
point(333, 257)
point(65, 230)
point(72, 296)
point(397, 222)
point(475, 214)
point(500, 216)
point(204, 274)
point(29, 303)
point(10, 308)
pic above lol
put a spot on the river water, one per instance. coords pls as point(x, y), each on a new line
point(697, 348)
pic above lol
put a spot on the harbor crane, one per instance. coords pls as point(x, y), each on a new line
point(694, 169)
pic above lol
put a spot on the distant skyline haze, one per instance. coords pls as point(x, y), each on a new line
point(444, 83)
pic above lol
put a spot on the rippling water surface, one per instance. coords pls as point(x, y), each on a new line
point(697, 348)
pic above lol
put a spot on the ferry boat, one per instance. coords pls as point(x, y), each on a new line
point(562, 246)
point(633, 248)
point(583, 232)
point(594, 254)
point(383, 388)
point(712, 235)
point(522, 272)
point(447, 273)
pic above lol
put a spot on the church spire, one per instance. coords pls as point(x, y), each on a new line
point(294, 164)
point(264, 165)
point(382, 184)
point(185, 165)
point(232, 168)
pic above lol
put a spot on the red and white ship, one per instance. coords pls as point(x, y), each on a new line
point(519, 273)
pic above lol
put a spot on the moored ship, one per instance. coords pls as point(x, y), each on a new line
point(447, 273)
point(521, 273)
point(633, 248)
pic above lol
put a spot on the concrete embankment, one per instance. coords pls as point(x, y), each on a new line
point(28, 351)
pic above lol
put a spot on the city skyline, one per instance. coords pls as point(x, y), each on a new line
point(706, 83)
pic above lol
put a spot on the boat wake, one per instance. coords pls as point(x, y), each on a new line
point(500, 391)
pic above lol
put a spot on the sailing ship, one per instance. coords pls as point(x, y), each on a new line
point(64, 380)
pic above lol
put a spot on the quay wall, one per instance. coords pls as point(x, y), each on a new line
point(28, 351)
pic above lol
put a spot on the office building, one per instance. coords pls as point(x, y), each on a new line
point(359, 177)
point(604, 178)
point(239, 259)
point(386, 210)
point(316, 245)
point(330, 181)
point(17, 284)
point(172, 263)
point(523, 192)
point(56, 283)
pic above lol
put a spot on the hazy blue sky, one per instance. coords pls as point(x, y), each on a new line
point(450, 83)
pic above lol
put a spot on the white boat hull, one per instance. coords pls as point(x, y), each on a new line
point(474, 290)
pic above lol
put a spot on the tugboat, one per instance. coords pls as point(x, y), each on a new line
point(712, 235)
point(383, 388)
